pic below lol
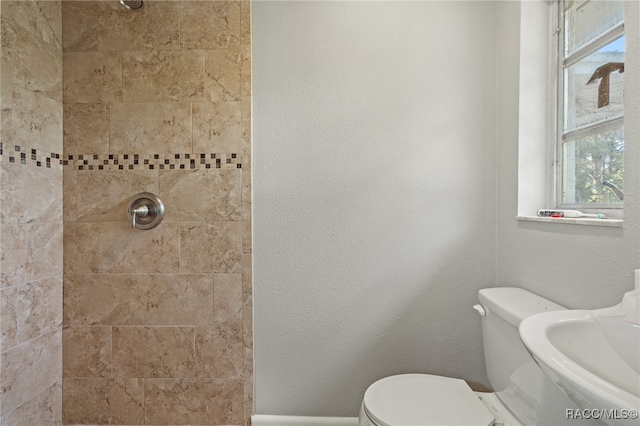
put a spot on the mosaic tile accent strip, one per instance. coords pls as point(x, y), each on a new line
point(29, 156)
point(152, 161)
point(34, 157)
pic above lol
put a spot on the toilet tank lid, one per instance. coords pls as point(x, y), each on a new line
point(515, 304)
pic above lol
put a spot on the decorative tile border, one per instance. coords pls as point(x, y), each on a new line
point(152, 161)
point(34, 157)
point(29, 156)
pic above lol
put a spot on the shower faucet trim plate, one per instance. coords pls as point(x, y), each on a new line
point(145, 211)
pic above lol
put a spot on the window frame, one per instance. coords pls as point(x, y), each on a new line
point(560, 63)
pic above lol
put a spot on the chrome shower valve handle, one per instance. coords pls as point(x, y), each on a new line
point(141, 211)
point(145, 211)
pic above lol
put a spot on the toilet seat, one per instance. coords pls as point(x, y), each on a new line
point(426, 400)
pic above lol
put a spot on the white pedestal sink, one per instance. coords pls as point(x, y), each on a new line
point(593, 356)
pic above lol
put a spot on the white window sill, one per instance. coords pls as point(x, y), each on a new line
point(612, 223)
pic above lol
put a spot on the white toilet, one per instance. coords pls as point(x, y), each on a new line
point(522, 395)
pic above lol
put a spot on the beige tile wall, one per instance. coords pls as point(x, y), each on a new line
point(30, 213)
point(157, 323)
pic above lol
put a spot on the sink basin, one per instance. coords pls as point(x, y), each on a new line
point(592, 355)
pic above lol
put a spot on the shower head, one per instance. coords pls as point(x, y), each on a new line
point(131, 4)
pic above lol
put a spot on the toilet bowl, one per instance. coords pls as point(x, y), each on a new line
point(424, 399)
point(523, 395)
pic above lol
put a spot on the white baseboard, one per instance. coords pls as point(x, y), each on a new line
point(266, 420)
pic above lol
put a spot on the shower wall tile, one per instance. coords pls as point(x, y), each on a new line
point(70, 191)
point(245, 22)
point(30, 252)
point(209, 25)
point(191, 195)
point(247, 236)
point(80, 247)
point(95, 358)
point(86, 128)
point(97, 299)
point(6, 86)
point(104, 195)
point(16, 266)
point(153, 351)
point(163, 76)
point(224, 78)
point(161, 299)
point(31, 213)
point(123, 250)
point(22, 14)
point(158, 322)
point(247, 275)
point(153, 127)
point(193, 401)
point(154, 28)
point(216, 126)
point(103, 401)
point(247, 327)
point(36, 120)
point(247, 230)
point(92, 77)
point(36, 64)
point(245, 123)
point(246, 70)
point(5, 116)
point(36, 308)
point(49, 22)
point(45, 243)
point(210, 247)
point(227, 299)
point(26, 373)
point(219, 352)
point(30, 194)
point(8, 318)
point(80, 29)
point(44, 409)
point(248, 385)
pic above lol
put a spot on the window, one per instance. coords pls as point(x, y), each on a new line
point(590, 147)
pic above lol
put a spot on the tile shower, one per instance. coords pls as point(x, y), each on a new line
point(133, 327)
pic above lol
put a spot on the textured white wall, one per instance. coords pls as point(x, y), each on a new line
point(577, 266)
point(374, 195)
